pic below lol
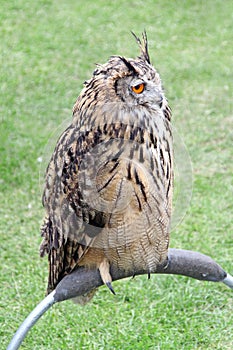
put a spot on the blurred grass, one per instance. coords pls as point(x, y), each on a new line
point(48, 48)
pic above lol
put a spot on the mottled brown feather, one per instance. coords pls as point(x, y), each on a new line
point(109, 183)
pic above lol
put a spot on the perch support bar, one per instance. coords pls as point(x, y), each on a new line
point(180, 262)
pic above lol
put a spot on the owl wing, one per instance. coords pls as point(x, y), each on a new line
point(65, 237)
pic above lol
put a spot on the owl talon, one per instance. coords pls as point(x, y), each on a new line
point(105, 274)
point(109, 285)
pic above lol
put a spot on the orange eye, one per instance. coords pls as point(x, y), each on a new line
point(138, 89)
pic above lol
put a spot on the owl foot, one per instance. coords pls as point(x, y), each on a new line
point(104, 268)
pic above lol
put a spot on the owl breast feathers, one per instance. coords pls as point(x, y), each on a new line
point(109, 183)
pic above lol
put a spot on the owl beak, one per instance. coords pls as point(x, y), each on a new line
point(158, 98)
point(160, 103)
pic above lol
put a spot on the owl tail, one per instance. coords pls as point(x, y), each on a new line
point(85, 298)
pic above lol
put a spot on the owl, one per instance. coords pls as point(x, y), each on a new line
point(109, 183)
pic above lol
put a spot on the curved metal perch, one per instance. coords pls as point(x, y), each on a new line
point(180, 262)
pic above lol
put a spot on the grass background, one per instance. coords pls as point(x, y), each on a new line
point(48, 48)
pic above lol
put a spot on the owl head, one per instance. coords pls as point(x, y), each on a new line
point(131, 83)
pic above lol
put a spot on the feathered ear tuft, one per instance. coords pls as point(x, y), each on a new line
point(143, 45)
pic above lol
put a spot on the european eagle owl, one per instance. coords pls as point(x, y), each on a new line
point(109, 183)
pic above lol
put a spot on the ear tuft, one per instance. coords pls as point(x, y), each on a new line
point(143, 45)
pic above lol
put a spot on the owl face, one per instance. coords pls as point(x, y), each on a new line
point(139, 86)
point(123, 84)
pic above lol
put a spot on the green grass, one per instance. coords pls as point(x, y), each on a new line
point(48, 48)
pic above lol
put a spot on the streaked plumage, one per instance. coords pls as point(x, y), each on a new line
point(109, 183)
